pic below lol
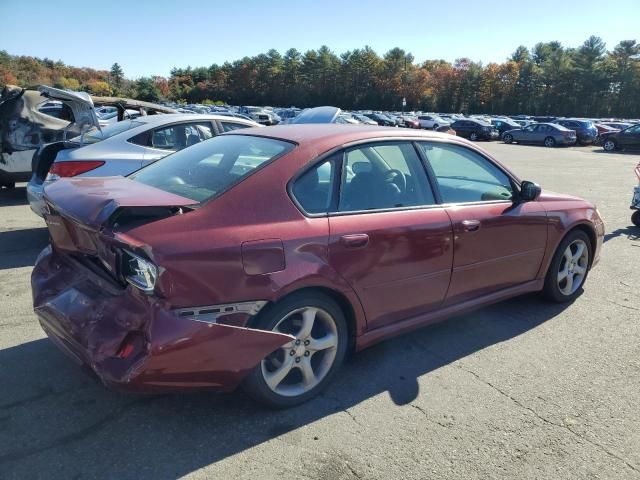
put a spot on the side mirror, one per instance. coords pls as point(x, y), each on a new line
point(529, 191)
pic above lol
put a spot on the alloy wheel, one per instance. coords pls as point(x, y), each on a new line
point(549, 142)
point(473, 136)
point(573, 267)
point(609, 145)
point(301, 364)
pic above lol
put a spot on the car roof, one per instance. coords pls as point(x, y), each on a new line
point(335, 134)
point(179, 117)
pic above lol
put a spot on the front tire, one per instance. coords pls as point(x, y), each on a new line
point(301, 369)
point(569, 268)
point(473, 137)
point(635, 218)
point(549, 142)
point(507, 138)
point(609, 145)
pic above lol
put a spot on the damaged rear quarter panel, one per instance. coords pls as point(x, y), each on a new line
point(89, 319)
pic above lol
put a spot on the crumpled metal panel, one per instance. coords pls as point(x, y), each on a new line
point(89, 317)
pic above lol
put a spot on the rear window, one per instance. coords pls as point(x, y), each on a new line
point(94, 135)
point(204, 170)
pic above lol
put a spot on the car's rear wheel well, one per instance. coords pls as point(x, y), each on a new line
point(342, 301)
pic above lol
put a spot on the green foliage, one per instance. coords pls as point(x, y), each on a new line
point(148, 90)
point(546, 79)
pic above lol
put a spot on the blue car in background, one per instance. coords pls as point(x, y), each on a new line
point(586, 131)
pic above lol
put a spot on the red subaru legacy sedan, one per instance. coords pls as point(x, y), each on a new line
point(259, 257)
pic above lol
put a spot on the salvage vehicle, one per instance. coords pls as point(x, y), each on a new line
point(586, 131)
point(432, 121)
point(627, 139)
point(547, 134)
point(30, 119)
point(504, 124)
point(475, 129)
point(260, 257)
point(122, 147)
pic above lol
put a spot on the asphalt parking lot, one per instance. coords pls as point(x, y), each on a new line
point(522, 389)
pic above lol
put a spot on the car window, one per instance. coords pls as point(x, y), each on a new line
point(96, 135)
point(209, 168)
point(379, 176)
point(230, 126)
point(465, 176)
point(635, 129)
point(313, 189)
point(179, 136)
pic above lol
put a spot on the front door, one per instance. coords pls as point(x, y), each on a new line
point(630, 138)
point(498, 243)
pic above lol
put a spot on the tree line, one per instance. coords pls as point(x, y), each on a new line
point(549, 78)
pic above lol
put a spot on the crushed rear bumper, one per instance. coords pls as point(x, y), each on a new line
point(137, 342)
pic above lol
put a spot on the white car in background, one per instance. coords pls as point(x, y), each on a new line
point(122, 148)
point(431, 121)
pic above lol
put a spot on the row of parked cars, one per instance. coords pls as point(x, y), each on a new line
point(33, 120)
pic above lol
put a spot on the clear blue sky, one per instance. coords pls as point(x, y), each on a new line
point(150, 37)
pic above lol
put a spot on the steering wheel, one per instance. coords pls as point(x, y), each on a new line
point(397, 177)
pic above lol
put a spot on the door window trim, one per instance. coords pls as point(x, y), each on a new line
point(515, 184)
point(341, 149)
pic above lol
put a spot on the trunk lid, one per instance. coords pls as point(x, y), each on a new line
point(92, 201)
point(80, 104)
point(85, 217)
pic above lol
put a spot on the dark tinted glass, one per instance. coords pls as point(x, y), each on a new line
point(380, 176)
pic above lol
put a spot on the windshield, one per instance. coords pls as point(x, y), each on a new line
point(94, 135)
point(204, 170)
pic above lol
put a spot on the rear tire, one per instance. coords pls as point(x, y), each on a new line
point(549, 142)
point(635, 218)
point(569, 268)
point(299, 371)
point(507, 138)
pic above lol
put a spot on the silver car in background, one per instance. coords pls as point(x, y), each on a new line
point(122, 148)
point(547, 134)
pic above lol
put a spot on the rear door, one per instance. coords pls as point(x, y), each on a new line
point(498, 243)
point(388, 237)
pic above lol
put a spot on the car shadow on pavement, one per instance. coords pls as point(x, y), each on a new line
point(632, 233)
point(51, 414)
point(20, 248)
point(13, 196)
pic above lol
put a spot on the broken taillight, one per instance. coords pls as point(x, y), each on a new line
point(132, 342)
point(71, 169)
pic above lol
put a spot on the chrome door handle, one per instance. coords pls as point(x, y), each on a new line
point(357, 240)
point(471, 225)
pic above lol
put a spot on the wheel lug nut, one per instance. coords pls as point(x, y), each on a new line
point(307, 342)
point(292, 353)
point(307, 353)
point(297, 359)
point(297, 342)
